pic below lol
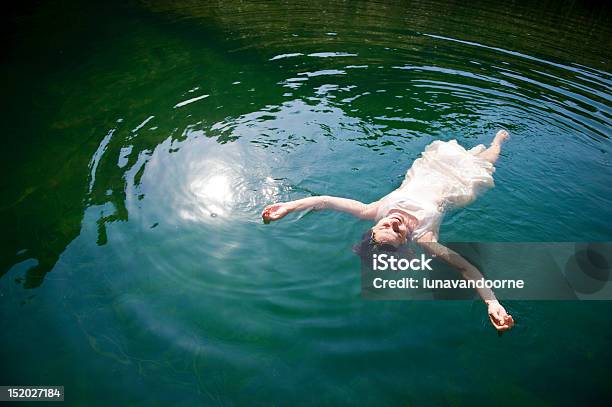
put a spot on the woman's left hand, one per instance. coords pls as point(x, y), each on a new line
point(275, 211)
point(501, 320)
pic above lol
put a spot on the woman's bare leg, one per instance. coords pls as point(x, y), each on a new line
point(491, 154)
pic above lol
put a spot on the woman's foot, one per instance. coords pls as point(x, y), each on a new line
point(491, 154)
point(500, 137)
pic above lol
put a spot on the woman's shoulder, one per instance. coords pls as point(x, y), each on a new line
point(428, 236)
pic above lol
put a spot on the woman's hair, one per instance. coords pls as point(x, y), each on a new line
point(368, 246)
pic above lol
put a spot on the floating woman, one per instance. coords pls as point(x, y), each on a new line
point(446, 176)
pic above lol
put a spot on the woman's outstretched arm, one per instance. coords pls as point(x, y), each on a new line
point(359, 209)
point(500, 319)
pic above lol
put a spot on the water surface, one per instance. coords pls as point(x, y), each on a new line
point(142, 140)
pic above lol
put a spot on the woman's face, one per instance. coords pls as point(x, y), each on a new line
point(391, 230)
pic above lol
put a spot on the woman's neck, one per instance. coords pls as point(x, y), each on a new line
point(409, 220)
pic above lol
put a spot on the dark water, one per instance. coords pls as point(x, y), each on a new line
point(141, 140)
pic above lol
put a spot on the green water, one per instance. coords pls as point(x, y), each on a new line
point(135, 268)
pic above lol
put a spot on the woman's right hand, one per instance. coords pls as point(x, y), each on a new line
point(275, 211)
point(501, 320)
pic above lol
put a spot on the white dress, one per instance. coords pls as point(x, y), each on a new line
point(446, 176)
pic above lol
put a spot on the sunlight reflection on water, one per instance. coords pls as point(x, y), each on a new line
point(214, 194)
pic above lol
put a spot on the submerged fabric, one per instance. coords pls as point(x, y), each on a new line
point(446, 176)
